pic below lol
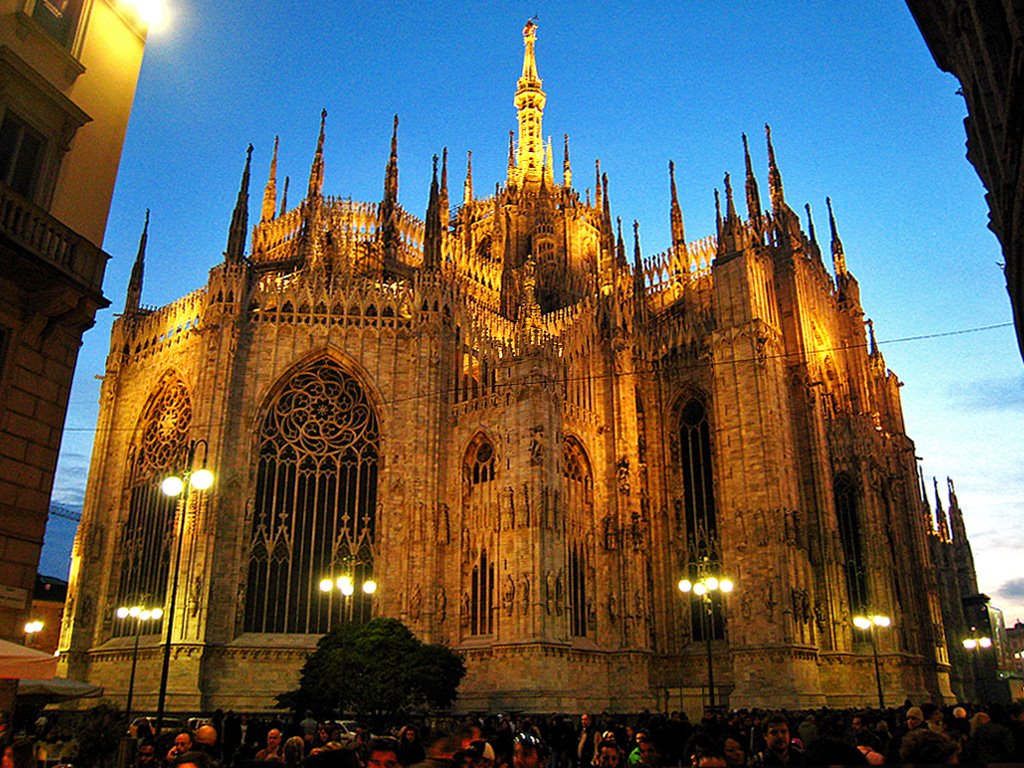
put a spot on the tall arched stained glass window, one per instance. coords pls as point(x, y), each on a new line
point(579, 497)
point(148, 533)
point(699, 506)
point(479, 470)
point(848, 518)
point(315, 503)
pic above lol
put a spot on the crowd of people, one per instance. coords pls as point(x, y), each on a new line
point(910, 735)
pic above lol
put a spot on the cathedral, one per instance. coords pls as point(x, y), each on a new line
point(524, 432)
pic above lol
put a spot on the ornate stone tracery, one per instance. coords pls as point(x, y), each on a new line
point(315, 507)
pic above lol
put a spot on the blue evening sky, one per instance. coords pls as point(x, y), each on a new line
point(858, 109)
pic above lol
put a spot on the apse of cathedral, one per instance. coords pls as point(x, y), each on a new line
point(525, 432)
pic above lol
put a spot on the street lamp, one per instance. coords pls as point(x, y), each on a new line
point(141, 614)
point(346, 584)
point(871, 624)
point(976, 643)
point(32, 628)
point(179, 487)
point(705, 587)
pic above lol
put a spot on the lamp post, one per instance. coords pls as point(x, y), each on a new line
point(974, 645)
point(32, 628)
point(141, 614)
point(871, 624)
point(706, 585)
point(179, 487)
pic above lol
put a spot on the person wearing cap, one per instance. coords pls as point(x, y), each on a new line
point(528, 751)
point(914, 719)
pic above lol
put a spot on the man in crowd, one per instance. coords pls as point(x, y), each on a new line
point(586, 742)
point(383, 753)
point(778, 749)
point(273, 750)
point(609, 755)
point(182, 744)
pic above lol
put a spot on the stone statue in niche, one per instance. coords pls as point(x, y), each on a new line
point(195, 597)
point(610, 533)
point(536, 445)
point(508, 595)
point(464, 610)
point(560, 591)
point(769, 601)
point(508, 507)
point(549, 591)
point(415, 604)
point(613, 606)
point(525, 584)
point(443, 524)
point(622, 475)
point(441, 604)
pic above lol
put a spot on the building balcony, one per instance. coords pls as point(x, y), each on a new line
point(46, 247)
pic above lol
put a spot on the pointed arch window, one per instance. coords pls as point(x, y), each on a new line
point(695, 460)
point(148, 533)
point(850, 538)
point(481, 597)
point(315, 507)
point(579, 495)
point(479, 469)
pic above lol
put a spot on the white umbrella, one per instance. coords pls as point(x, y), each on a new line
point(19, 662)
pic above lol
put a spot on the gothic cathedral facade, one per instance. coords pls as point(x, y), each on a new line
point(527, 433)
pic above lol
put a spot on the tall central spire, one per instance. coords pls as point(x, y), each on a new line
point(529, 102)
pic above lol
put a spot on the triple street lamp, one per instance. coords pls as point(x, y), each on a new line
point(179, 486)
point(705, 587)
point(348, 584)
point(141, 614)
point(871, 624)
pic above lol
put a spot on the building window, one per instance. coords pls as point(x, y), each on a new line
point(315, 504)
point(148, 535)
point(21, 155)
point(848, 519)
point(579, 496)
point(699, 505)
point(59, 18)
point(481, 597)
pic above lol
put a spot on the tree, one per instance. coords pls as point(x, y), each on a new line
point(378, 670)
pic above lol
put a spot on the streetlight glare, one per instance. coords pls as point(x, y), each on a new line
point(711, 582)
point(172, 486)
point(861, 622)
point(726, 585)
point(153, 13)
point(970, 643)
point(369, 586)
point(326, 585)
point(122, 612)
point(700, 589)
point(157, 614)
point(685, 585)
point(985, 642)
point(201, 479)
point(881, 621)
point(34, 626)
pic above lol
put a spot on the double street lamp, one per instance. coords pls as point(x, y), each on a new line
point(974, 645)
point(141, 614)
point(705, 587)
point(871, 624)
point(179, 487)
point(32, 628)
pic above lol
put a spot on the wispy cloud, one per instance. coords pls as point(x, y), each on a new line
point(998, 394)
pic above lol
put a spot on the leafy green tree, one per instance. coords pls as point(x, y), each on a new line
point(378, 670)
